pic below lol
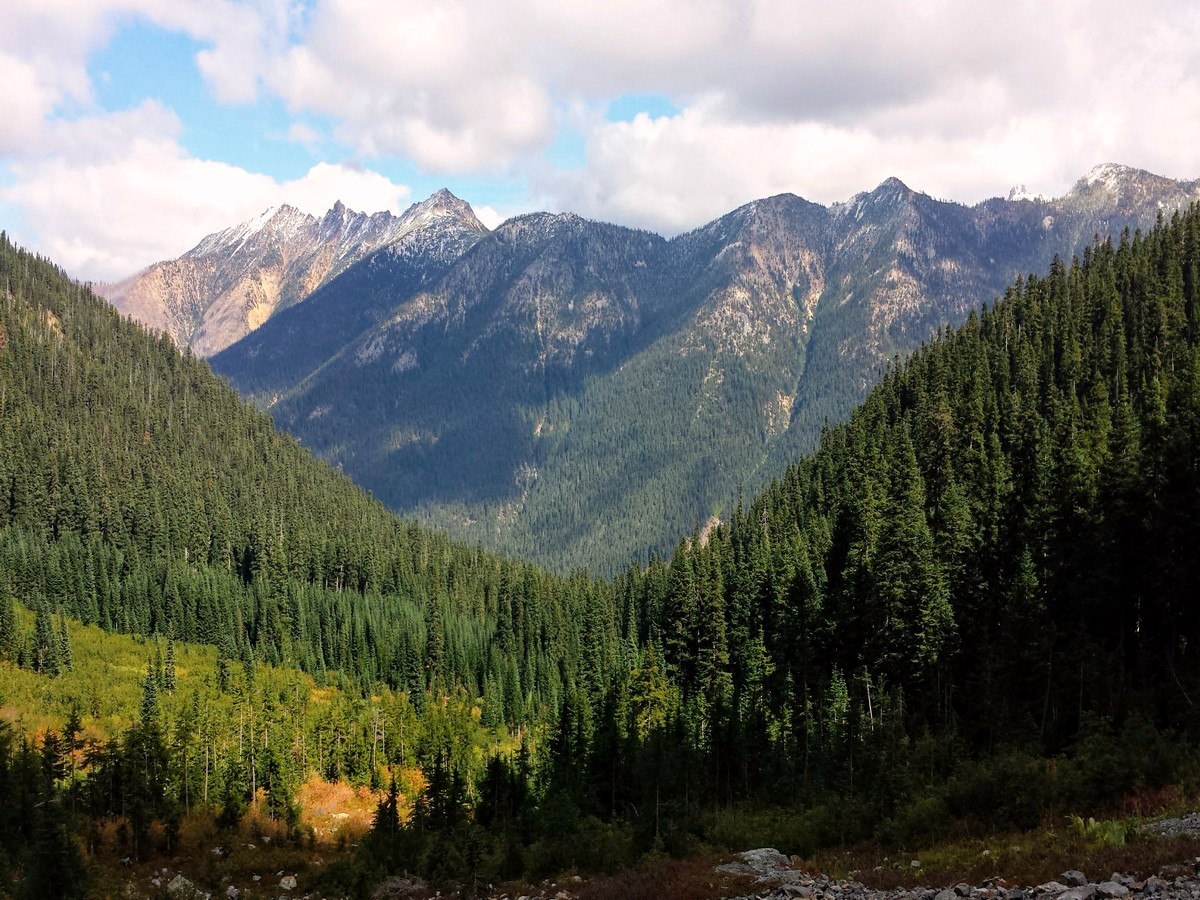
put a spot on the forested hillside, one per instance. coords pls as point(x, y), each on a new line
point(997, 549)
point(138, 493)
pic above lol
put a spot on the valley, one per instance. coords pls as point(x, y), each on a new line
point(968, 609)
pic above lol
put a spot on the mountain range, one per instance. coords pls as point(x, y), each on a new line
point(584, 394)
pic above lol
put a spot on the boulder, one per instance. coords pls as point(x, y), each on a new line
point(1111, 889)
point(1073, 878)
point(1051, 887)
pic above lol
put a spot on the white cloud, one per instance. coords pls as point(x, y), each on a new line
point(301, 133)
point(119, 193)
point(488, 215)
point(824, 100)
point(960, 100)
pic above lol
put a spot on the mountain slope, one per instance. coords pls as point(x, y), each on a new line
point(436, 400)
point(563, 395)
point(233, 281)
point(138, 493)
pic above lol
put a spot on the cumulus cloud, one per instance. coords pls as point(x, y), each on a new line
point(775, 95)
point(118, 192)
point(960, 100)
point(488, 215)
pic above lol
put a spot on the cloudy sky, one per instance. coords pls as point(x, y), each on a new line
point(129, 129)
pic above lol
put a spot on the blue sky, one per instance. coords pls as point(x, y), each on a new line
point(135, 127)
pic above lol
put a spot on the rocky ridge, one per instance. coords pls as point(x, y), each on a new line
point(236, 279)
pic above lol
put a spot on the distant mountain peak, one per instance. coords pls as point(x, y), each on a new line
point(892, 183)
point(443, 196)
point(442, 204)
point(1020, 192)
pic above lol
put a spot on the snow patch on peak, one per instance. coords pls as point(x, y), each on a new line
point(1108, 174)
point(1020, 192)
point(282, 220)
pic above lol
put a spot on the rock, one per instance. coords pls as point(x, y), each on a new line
point(1111, 889)
point(764, 864)
point(1154, 885)
point(1073, 878)
point(765, 858)
point(1085, 892)
point(915, 864)
point(288, 882)
point(1051, 887)
point(947, 894)
point(232, 893)
point(797, 890)
point(962, 889)
point(179, 885)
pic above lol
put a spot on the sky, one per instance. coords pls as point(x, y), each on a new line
point(130, 129)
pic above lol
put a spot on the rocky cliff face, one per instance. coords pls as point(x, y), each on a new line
point(233, 281)
point(578, 392)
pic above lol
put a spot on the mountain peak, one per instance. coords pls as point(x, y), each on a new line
point(1109, 174)
point(339, 212)
point(440, 211)
point(282, 219)
point(442, 202)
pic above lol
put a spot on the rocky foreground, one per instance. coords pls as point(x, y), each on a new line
point(780, 880)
